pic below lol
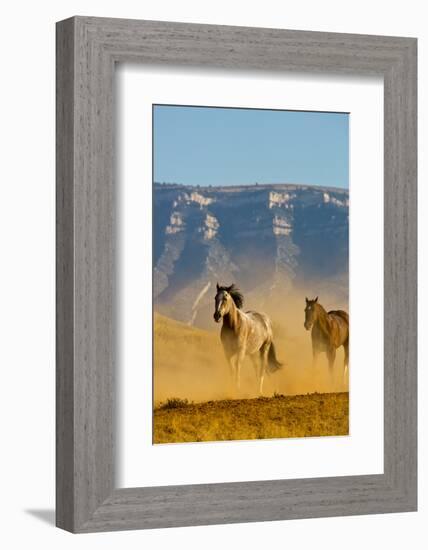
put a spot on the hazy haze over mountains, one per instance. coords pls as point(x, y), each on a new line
point(269, 239)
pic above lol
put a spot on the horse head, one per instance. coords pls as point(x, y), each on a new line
point(310, 313)
point(224, 298)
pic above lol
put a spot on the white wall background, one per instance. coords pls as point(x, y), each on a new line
point(27, 271)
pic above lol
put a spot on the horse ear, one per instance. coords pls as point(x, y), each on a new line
point(218, 288)
point(316, 299)
point(229, 288)
point(307, 301)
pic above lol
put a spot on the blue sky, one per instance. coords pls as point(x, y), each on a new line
point(218, 146)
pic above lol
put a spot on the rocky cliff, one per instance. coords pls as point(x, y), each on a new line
point(268, 239)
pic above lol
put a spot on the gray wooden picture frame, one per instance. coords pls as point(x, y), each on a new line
point(87, 50)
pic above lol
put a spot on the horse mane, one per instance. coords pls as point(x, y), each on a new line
point(340, 313)
point(234, 291)
point(323, 318)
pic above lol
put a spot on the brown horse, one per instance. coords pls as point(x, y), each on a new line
point(329, 332)
point(242, 334)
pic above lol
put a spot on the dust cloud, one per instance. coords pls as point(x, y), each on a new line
point(189, 362)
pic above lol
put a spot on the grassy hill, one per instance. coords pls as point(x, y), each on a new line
point(171, 332)
point(263, 418)
point(188, 362)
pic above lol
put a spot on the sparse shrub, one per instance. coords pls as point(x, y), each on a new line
point(174, 403)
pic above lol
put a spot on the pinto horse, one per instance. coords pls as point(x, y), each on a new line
point(242, 334)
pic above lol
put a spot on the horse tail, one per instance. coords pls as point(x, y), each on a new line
point(273, 363)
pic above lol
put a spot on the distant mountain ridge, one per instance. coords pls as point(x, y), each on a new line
point(268, 238)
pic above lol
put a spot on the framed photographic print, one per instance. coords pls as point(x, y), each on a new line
point(236, 274)
point(276, 240)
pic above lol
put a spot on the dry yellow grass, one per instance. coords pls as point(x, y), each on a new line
point(264, 418)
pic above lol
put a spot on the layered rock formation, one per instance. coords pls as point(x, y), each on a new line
point(268, 239)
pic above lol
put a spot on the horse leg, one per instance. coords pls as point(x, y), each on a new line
point(315, 353)
point(346, 362)
point(255, 359)
point(232, 363)
point(239, 359)
point(231, 359)
point(263, 366)
point(331, 356)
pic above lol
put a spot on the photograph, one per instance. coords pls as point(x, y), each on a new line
point(250, 273)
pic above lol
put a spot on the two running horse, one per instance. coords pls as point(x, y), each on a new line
point(250, 333)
